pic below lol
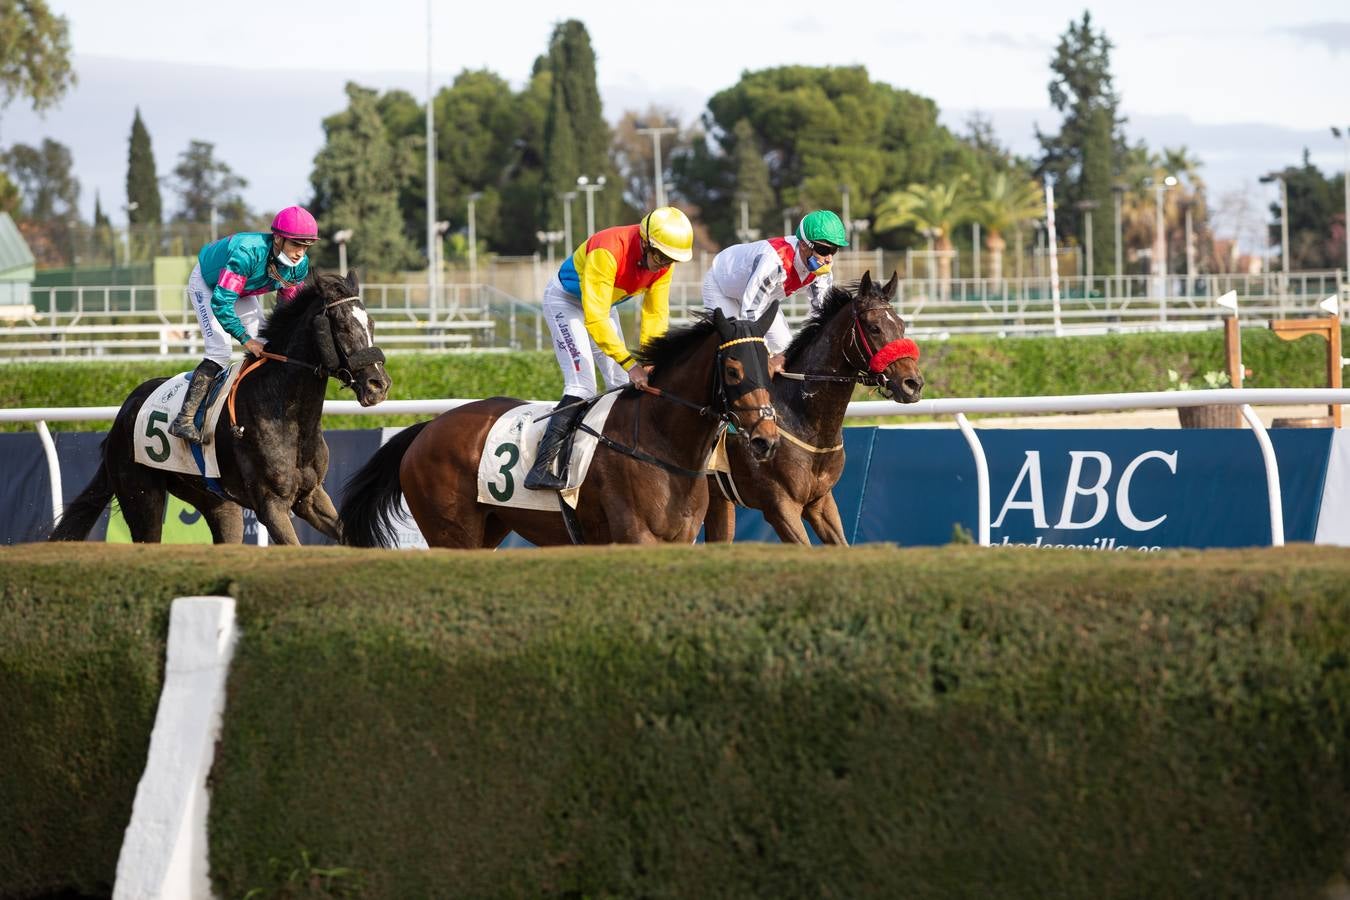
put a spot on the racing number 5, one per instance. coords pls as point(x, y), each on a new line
point(155, 433)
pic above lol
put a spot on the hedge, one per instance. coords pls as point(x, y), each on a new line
point(960, 367)
point(709, 721)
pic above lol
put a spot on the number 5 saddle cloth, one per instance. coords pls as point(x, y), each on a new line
point(509, 453)
point(156, 448)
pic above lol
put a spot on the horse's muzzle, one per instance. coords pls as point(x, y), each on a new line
point(372, 386)
point(904, 388)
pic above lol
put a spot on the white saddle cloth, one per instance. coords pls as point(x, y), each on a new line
point(510, 449)
point(158, 449)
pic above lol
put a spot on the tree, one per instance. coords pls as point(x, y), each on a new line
point(356, 185)
point(104, 240)
point(935, 211)
point(34, 54)
point(143, 202)
point(1315, 210)
point(576, 137)
point(204, 184)
point(633, 155)
point(1005, 200)
point(48, 189)
point(818, 129)
point(753, 189)
point(1085, 155)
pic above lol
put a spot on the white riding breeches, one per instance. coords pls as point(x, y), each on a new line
point(577, 354)
point(778, 336)
point(215, 338)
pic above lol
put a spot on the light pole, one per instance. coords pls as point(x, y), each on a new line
point(548, 239)
point(855, 226)
point(1186, 207)
point(745, 233)
point(1160, 186)
point(438, 230)
point(1345, 136)
point(473, 239)
point(1284, 226)
point(1086, 207)
point(1118, 191)
point(590, 187)
point(433, 236)
point(126, 235)
point(788, 215)
point(567, 199)
point(975, 250)
point(341, 238)
point(656, 132)
point(844, 190)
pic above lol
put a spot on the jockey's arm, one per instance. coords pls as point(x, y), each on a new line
point(655, 318)
point(229, 285)
point(597, 299)
point(764, 285)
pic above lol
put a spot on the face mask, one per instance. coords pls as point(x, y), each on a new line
point(285, 260)
point(814, 262)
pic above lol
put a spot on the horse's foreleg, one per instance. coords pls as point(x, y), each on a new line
point(143, 511)
point(317, 509)
point(786, 520)
point(719, 524)
point(275, 514)
point(823, 515)
point(226, 521)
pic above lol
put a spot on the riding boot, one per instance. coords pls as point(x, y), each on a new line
point(541, 476)
point(184, 426)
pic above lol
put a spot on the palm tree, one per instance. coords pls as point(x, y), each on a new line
point(1007, 199)
point(936, 210)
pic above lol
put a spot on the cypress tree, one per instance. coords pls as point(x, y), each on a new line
point(142, 181)
point(753, 185)
point(576, 136)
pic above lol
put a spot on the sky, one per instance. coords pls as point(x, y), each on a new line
point(1245, 85)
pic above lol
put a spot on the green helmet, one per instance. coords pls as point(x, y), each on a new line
point(824, 226)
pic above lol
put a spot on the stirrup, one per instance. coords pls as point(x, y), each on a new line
point(537, 480)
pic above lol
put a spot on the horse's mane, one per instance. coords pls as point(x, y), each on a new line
point(299, 310)
point(835, 300)
point(675, 343)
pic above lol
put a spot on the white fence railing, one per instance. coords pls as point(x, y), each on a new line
point(958, 408)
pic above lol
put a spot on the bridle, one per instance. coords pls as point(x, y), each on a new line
point(872, 370)
point(334, 361)
point(719, 409)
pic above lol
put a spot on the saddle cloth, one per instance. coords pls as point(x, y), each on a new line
point(509, 453)
point(158, 449)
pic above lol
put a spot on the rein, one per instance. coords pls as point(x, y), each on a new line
point(872, 373)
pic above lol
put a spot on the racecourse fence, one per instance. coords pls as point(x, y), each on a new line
point(959, 409)
point(148, 321)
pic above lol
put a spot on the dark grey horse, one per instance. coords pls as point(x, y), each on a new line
point(274, 459)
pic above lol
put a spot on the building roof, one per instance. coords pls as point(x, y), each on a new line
point(14, 252)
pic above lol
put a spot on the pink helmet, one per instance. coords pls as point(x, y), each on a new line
point(296, 223)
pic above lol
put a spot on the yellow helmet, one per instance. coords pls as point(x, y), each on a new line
point(668, 230)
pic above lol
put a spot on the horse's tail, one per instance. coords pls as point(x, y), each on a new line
point(370, 498)
point(79, 517)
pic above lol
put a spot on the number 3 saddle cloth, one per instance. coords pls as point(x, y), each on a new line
point(156, 448)
point(509, 453)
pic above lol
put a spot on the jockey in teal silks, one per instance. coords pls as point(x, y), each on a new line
point(224, 288)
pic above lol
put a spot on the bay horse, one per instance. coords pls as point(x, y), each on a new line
point(856, 337)
point(274, 459)
point(646, 482)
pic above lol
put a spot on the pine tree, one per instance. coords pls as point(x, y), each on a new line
point(356, 185)
point(576, 136)
point(1089, 150)
point(752, 185)
point(144, 207)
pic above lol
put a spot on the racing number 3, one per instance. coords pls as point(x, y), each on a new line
point(512, 454)
point(155, 433)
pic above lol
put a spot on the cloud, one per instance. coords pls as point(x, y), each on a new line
point(1335, 36)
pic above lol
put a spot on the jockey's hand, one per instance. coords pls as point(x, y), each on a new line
point(254, 346)
point(777, 363)
point(638, 375)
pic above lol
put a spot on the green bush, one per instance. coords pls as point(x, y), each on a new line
point(961, 367)
point(712, 721)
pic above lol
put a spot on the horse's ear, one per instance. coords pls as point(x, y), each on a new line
point(889, 290)
point(766, 319)
point(865, 284)
point(353, 284)
point(720, 321)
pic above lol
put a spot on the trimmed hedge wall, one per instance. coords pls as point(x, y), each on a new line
point(961, 367)
point(701, 722)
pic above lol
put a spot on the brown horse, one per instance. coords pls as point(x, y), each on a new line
point(646, 482)
point(854, 338)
